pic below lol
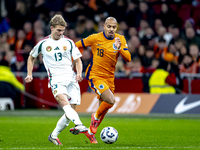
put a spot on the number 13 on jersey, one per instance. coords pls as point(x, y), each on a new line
point(58, 56)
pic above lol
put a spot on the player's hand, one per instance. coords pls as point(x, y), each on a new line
point(79, 78)
point(118, 43)
point(28, 79)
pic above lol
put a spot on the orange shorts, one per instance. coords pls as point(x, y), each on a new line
point(99, 85)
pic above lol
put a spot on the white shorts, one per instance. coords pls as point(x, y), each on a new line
point(70, 88)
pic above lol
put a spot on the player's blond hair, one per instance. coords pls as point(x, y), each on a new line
point(58, 20)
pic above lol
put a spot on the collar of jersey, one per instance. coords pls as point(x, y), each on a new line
point(52, 39)
point(107, 37)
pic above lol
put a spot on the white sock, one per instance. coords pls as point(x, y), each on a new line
point(62, 123)
point(90, 132)
point(72, 114)
point(95, 117)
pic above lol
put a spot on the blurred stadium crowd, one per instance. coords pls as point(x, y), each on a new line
point(153, 28)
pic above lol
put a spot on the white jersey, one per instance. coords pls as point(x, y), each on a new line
point(57, 57)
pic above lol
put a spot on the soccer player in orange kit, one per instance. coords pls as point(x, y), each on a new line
point(106, 47)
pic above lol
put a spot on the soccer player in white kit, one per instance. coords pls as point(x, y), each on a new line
point(58, 51)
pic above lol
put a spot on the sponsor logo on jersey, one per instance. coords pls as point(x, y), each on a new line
point(64, 48)
point(101, 86)
point(57, 48)
point(99, 44)
point(48, 48)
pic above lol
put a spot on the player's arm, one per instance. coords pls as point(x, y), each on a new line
point(123, 49)
point(85, 42)
point(30, 64)
point(76, 55)
point(79, 44)
point(79, 68)
point(125, 55)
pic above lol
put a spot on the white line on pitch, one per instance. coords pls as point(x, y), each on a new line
point(31, 148)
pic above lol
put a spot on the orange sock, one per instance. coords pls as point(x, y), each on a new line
point(102, 110)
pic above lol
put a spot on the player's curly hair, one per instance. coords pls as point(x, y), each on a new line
point(58, 20)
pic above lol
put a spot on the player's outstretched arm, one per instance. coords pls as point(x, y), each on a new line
point(30, 64)
point(79, 68)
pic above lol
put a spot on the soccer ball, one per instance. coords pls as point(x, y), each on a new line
point(109, 135)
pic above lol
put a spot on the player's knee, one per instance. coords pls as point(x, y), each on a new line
point(112, 100)
point(62, 100)
point(108, 97)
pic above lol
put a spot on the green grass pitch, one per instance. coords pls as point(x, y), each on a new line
point(29, 130)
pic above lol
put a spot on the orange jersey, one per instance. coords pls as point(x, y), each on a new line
point(104, 54)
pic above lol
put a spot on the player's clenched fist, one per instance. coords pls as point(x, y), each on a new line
point(117, 43)
point(28, 79)
point(79, 78)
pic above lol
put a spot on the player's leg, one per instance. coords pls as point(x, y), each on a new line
point(70, 113)
point(62, 123)
point(73, 91)
point(78, 128)
point(61, 93)
point(106, 95)
point(106, 104)
point(103, 115)
point(91, 137)
point(108, 101)
point(58, 89)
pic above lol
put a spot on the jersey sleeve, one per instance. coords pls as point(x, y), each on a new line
point(124, 52)
point(75, 51)
point(83, 43)
point(37, 49)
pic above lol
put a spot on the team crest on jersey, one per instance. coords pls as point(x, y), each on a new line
point(55, 91)
point(48, 48)
point(101, 86)
point(64, 48)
